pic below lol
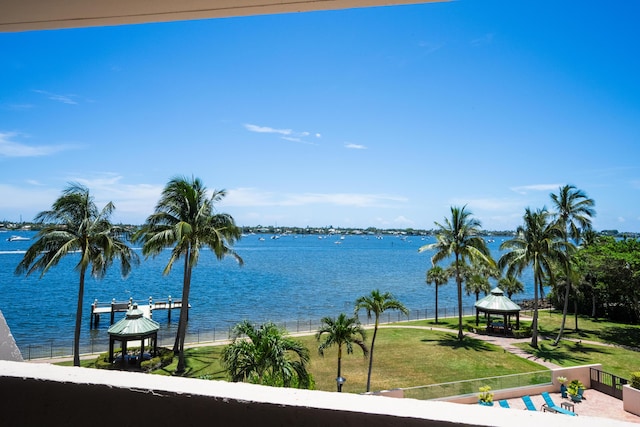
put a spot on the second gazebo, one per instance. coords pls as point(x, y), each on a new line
point(497, 303)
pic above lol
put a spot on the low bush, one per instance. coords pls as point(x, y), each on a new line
point(635, 379)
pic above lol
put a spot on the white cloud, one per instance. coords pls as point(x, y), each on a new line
point(253, 197)
point(65, 99)
point(355, 146)
point(535, 187)
point(403, 221)
point(288, 134)
point(10, 148)
point(266, 129)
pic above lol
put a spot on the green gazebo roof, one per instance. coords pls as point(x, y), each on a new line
point(497, 303)
point(134, 324)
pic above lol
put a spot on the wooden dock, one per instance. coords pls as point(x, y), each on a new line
point(147, 308)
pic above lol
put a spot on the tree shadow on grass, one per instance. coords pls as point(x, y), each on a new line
point(620, 335)
point(467, 343)
point(567, 354)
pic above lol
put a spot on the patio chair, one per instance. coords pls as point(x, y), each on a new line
point(550, 405)
point(503, 403)
point(529, 403)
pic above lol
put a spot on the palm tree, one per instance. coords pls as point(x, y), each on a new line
point(264, 355)
point(477, 276)
point(459, 237)
point(511, 285)
point(574, 212)
point(377, 304)
point(185, 217)
point(540, 243)
point(75, 224)
point(341, 331)
point(439, 277)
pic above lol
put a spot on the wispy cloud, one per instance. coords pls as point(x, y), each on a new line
point(65, 99)
point(11, 148)
point(257, 197)
point(286, 134)
point(18, 107)
point(355, 146)
point(482, 41)
point(429, 47)
point(525, 189)
point(266, 129)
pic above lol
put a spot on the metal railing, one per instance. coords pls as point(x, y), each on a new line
point(56, 349)
point(460, 388)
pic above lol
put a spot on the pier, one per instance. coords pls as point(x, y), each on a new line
point(147, 308)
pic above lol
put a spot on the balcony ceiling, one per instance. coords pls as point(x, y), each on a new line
point(27, 15)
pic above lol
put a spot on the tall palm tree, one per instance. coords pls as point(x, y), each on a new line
point(341, 331)
point(439, 277)
point(75, 224)
point(377, 303)
point(459, 237)
point(539, 242)
point(185, 219)
point(264, 355)
point(574, 212)
point(510, 285)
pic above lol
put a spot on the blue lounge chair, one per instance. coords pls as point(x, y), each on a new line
point(549, 405)
point(503, 403)
point(529, 403)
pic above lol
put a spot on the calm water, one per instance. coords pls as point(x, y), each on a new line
point(292, 278)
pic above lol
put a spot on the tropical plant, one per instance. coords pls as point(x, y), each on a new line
point(485, 396)
point(341, 331)
point(510, 285)
point(185, 219)
point(439, 277)
point(263, 354)
point(75, 226)
point(574, 212)
point(459, 237)
point(377, 303)
point(539, 243)
point(476, 278)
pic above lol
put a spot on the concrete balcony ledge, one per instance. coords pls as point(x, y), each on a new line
point(44, 394)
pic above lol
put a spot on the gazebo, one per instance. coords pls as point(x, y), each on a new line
point(134, 327)
point(497, 303)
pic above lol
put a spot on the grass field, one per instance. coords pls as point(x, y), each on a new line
point(408, 357)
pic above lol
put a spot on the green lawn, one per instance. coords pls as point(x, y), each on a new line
point(407, 357)
point(414, 357)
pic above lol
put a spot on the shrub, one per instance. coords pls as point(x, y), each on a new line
point(485, 394)
point(635, 379)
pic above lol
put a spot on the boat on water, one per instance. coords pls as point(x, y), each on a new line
point(17, 238)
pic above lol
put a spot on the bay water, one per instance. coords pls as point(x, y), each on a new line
point(288, 279)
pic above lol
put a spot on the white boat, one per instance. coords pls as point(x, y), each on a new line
point(17, 238)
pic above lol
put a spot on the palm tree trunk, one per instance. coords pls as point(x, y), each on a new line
point(436, 303)
point(76, 334)
point(575, 309)
point(534, 326)
point(184, 313)
point(460, 334)
point(339, 367)
point(373, 342)
point(565, 309)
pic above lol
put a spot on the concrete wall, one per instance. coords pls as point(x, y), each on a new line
point(631, 399)
point(43, 394)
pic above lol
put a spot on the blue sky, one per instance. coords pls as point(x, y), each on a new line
point(381, 117)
